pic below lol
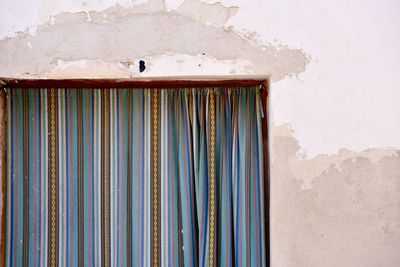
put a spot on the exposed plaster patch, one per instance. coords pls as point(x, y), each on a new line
point(215, 14)
point(350, 214)
point(120, 34)
point(173, 4)
point(83, 69)
point(199, 64)
point(67, 17)
point(165, 64)
point(62, 65)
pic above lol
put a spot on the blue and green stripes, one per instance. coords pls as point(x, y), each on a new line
point(135, 177)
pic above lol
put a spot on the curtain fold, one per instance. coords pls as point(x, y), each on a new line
point(135, 177)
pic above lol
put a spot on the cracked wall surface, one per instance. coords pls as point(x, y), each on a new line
point(334, 108)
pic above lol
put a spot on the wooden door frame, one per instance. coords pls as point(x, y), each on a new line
point(147, 83)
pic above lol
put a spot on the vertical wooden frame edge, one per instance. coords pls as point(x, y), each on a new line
point(3, 175)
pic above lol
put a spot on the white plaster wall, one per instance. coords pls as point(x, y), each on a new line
point(335, 75)
point(347, 97)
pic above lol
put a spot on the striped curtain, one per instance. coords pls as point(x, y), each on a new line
point(135, 177)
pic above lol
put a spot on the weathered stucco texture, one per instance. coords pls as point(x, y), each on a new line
point(336, 210)
point(334, 121)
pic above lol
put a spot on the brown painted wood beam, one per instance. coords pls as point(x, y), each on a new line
point(124, 83)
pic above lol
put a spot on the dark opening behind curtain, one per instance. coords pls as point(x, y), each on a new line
point(131, 177)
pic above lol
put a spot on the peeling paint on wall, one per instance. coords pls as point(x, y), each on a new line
point(307, 169)
point(117, 35)
point(348, 215)
point(332, 210)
